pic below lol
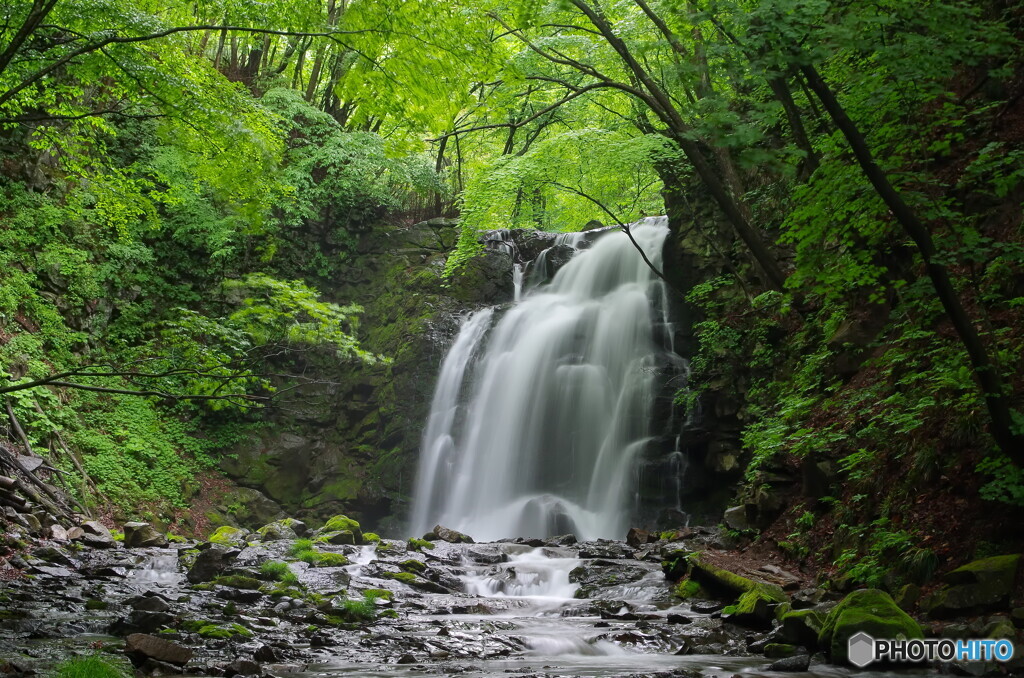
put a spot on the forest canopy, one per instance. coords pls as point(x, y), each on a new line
point(181, 180)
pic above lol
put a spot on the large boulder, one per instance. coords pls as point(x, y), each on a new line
point(140, 646)
point(227, 535)
point(977, 587)
point(801, 627)
point(869, 610)
point(95, 534)
point(341, 529)
point(141, 535)
point(286, 528)
point(451, 536)
point(210, 562)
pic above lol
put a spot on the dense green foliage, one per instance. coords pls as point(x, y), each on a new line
point(181, 182)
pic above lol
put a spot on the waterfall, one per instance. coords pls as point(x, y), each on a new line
point(541, 411)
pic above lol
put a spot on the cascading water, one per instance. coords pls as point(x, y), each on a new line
point(537, 422)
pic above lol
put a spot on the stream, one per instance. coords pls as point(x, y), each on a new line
point(550, 607)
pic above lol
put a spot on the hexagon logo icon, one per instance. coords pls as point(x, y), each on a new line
point(860, 649)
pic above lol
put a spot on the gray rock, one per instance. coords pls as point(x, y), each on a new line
point(92, 533)
point(53, 555)
point(210, 562)
point(278, 530)
point(49, 571)
point(149, 604)
point(800, 662)
point(242, 667)
point(637, 537)
point(58, 533)
point(140, 535)
point(139, 647)
point(736, 518)
point(97, 541)
point(96, 528)
point(141, 621)
point(34, 525)
point(451, 536)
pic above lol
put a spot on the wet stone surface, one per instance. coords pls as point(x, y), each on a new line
point(590, 609)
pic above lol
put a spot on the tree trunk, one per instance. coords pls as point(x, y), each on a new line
point(988, 375)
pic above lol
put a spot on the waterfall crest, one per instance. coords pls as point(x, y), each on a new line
point(540, 412)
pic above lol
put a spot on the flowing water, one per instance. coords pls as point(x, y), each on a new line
point(547, 611)
point(542, 409)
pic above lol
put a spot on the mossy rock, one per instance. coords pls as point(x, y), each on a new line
point(371, 538)
point(404, 577)
point(413, 565)
point(415, 582)
point(223, 632)
point(420, 544)
point(755, 608)
point(227, 535)
point(379, 593)
point(340, 522)
point(717, 577)
point(869, 610)
point(688, 588)
point(339, 538)
point(286, 528)
point(801, 627)
point(1000, 570)
point(330, 560)
point(238, 581)
point(977, 587)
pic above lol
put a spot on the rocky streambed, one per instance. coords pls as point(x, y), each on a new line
point(286, 602)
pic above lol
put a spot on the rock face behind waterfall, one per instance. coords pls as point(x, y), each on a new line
point(348, 445)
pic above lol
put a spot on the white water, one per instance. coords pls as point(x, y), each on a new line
point(536, 423)
point(532, 574)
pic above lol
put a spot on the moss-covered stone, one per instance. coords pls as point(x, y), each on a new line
point(330, 560)
point(238, 581)
point(415, 581)
point(976, 587)
point(413, 565)
point(338, 523)
point(229, 536)
point(223, 632)
point(717, 577)
point(688, 588)
point(754, 609)
point(869, 610)
point(404, 577)
point(279, 530)
point(379, 593)
point(341, 529)
point(420, 544)
point(801, 627)
point(210, 629)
